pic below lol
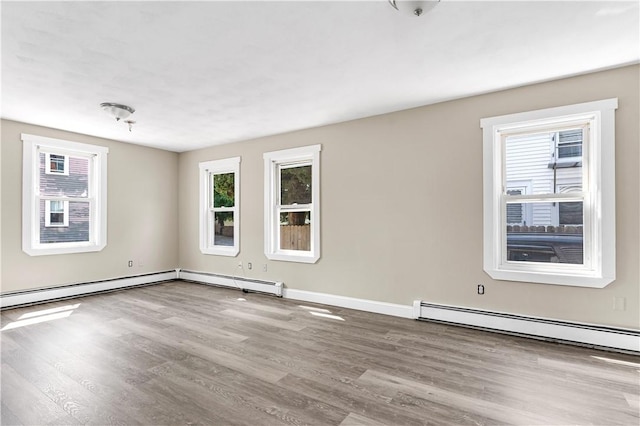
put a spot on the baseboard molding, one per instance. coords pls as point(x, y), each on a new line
point(403, 311)
point(277, 288)
point(611, 338)
point(30, 297)
point(241, 283)
point(583, 334)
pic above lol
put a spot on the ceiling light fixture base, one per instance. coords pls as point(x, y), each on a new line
point(413, 7)
point(117, 111)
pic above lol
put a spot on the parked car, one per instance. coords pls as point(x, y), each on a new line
point(545, 247)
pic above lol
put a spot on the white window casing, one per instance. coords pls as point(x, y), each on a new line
point(274, 163)
point(597, 194)
point(33, 202)
point(208, 171)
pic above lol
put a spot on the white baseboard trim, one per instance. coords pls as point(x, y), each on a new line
point(241, 283)
point(403, 311)
point(542, 328)
point(548, 329)
point(29, 297)
point(277, 288)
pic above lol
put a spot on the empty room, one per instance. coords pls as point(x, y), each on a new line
point(379, 212)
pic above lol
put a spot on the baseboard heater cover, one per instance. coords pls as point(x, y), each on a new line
point(42, 295)
point(241, 283)
point(547, 329)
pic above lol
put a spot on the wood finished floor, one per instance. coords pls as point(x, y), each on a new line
point(182, 353)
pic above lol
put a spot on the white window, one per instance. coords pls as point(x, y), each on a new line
point(292, 204)
point(56, 213)
point(56, 164)
point(559, 228)
point(220, 207)
point(64, 196)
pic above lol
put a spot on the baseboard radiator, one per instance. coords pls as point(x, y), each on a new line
point(618, 339)
point(43, 295)
point(241, 283)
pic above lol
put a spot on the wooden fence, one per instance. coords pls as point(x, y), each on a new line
point(295, 237)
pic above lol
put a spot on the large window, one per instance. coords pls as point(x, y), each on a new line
point(549, 206)
point(219, 207)
point(292, 204)
point(64, 200)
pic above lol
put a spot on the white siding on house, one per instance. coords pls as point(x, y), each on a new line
point(73, 184)
point(527, 159)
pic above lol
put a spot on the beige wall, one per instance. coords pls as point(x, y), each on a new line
point(402, 206)
point(142, 215)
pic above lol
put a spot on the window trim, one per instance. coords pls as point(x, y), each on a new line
point(600, 227)
point(207, 170)
point(97, 185)
point(272, 165)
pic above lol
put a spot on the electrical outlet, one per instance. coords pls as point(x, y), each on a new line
point(240, 264)
point(480, 289)
point(249, 265)
point(130, 263)
point(264, 268)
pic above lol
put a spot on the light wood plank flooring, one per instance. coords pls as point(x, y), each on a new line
point(183, 353)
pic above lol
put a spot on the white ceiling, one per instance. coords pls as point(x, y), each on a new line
point(206, 73)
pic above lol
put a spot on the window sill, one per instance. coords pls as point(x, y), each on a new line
point(288, 257)
point(230, 252)
point(575, 280)
point(52, 249)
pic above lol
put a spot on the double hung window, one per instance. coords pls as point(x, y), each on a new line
point(292, 204)
point(64, 196)
point(549, 207)
point(219, 207)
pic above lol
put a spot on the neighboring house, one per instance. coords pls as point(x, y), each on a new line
point(544, 163)
point(63, 183)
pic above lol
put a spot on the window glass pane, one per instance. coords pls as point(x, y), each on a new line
point(295, 185)
point(571, 213)
point(75, 184)
point(570, 143)
point(56, 206)
point(77, 231)
point(534, 158)
point(546, 239)
point(223, 229)
point(57, 218)
point(295, 231)
point(515, 211)
point(56, 163)
point(56, 212)
point(223, 190)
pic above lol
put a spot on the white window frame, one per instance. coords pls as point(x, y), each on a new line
point(208, 169)
point(598, 195)
point(47, 165)
point(47, 214)
point(97, 194)
point(273, 163)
